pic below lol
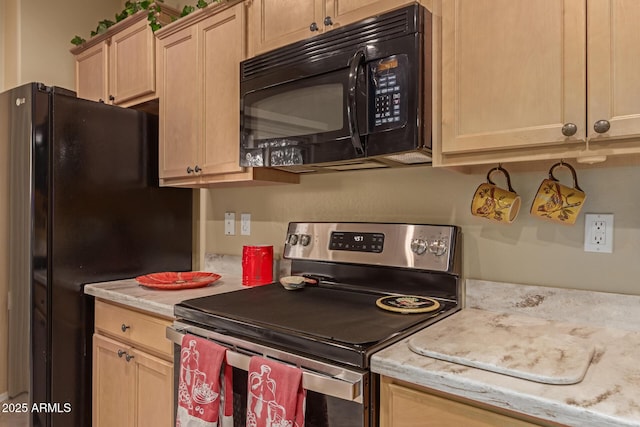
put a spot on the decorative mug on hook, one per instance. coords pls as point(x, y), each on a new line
point(557, 202)
point(495, 203)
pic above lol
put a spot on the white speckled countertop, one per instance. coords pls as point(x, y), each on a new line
point(609, 393)
point(128, 292)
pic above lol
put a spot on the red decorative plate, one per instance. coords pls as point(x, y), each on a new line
point(175, 281)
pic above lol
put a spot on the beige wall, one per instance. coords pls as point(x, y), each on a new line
point(529, 251)
point(2, 24)
point(37, 36)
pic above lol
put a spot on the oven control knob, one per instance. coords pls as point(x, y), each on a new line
point(305, 239)
point(293, 239)
point(438, 247)
point(418, 246)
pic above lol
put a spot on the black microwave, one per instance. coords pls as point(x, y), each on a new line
point(352, 98)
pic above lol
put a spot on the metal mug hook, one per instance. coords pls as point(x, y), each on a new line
point(568, 166)
point(499, 168)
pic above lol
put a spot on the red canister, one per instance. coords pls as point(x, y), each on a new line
point(257, 265)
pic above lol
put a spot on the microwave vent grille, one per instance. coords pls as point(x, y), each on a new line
point(337, 45)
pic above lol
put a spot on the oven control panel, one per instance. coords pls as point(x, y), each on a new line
point(418, 246)
point(358, 242)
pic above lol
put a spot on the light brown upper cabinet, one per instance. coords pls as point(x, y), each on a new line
point(613, 62)
point(517, 84)
point(275, 23)
point(118, 66)
point(199, 92)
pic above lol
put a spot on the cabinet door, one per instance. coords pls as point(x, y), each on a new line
point(513, 73)
point(343, 12)
point(132, 63)
point(275, 23)
point(92, 72)
point(405, 407)
point(113, 383)
point(153, 390)
point(222, 37)
point(180, 109)
point(613, 63)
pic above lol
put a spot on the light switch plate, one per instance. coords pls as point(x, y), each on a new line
point(598, 233)
point(229, 223)
point(245, 224)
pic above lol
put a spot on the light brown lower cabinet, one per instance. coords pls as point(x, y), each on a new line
point(131, 386)
point(408, 405)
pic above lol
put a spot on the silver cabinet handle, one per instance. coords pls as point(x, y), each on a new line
point(121, 353)
point(128, 357)
point(313, 27)
point(328, 21)
point(569, 129)
point(124, 327)
point(602, 126)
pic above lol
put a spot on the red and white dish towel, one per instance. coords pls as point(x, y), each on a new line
point(205, 391)
point(275, 396)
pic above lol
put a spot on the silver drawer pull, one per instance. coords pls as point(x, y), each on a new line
point(345, 385)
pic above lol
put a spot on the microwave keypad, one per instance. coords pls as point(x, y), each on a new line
point(388, 83)
point(387, 100)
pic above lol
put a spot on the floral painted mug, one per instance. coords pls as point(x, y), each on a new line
point(557, 202)
point(495, 203)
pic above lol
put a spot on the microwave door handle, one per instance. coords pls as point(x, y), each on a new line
point(352, 116)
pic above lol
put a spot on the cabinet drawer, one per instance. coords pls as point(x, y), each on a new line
point(134, 327)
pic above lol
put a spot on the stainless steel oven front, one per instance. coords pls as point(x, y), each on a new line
point(336, 396)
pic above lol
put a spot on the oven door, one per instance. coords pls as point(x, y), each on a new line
point(336, 396)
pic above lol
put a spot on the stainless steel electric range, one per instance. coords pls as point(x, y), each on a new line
point(376, 284)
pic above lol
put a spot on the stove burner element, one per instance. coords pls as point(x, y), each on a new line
point(407, 304)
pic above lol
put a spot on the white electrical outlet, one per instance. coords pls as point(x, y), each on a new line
point(245, 224)
point(598, 233)
point(229, 223)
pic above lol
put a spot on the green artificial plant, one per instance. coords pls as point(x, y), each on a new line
point(130, 8)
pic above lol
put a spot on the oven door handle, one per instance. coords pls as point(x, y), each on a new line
point(352, 101)
point(346, 385)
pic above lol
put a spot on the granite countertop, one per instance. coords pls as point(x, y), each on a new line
point(608, 324)
point(129, 293)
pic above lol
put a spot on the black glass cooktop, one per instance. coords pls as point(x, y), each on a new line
point(315, 320)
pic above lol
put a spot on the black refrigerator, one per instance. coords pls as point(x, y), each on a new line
point(79, 203)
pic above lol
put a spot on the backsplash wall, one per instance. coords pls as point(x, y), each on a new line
point(529, 251)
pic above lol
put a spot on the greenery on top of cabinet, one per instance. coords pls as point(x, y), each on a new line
point(201, 4)
point(132, 7)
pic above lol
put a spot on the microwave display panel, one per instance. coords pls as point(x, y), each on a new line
point(389, 93)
